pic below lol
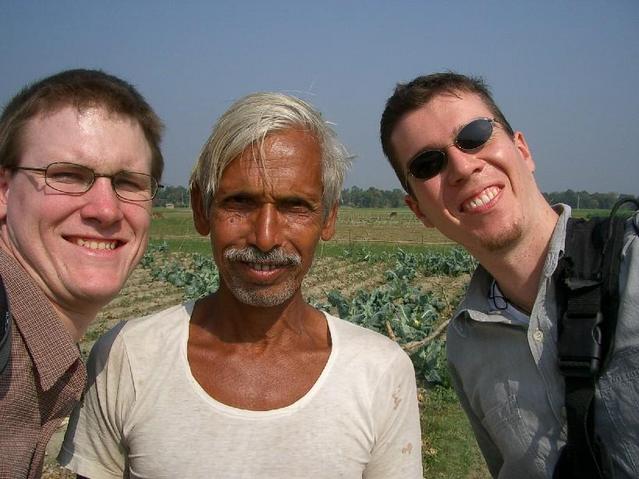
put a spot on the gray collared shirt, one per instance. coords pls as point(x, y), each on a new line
point(506, 376)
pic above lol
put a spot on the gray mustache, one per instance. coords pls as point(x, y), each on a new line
point(275, 257)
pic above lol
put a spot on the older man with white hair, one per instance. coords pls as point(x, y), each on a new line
point(251, 381)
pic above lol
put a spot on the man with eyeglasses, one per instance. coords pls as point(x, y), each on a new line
point(79, 166)
point(470, 175)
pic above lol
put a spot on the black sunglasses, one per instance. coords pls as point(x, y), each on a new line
point(429, 163)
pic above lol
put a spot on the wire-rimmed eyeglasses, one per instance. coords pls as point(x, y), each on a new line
point(77, 179)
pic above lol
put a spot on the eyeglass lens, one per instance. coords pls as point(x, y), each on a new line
point(72, 178)
point(472, 136)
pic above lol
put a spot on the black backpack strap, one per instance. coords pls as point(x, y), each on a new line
point(5, 329)
point(611, 264)
point(588, 287)
point(580, 347)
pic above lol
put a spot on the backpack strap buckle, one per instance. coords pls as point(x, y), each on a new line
point(580, 344)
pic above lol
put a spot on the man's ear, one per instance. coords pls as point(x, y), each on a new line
point(524, 151)
point(200, 216)
point(414, 206)
point(328, 230)
point(5, 176)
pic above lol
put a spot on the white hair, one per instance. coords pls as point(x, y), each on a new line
point(248, 122)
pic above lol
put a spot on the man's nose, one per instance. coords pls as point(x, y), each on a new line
point(267, 226)
point(461, 165)
point(101, 202)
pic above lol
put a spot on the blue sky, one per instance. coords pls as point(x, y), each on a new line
point(566, 73)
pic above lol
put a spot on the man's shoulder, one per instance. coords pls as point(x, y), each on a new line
point(143, 335)
point(364, 360)
point(160, 323)
point(362, 342)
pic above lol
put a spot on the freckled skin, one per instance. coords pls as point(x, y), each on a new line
point(256, 357)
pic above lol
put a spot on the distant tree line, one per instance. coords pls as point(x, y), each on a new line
point(585, 200)
point(372, 197)
point(178, 196)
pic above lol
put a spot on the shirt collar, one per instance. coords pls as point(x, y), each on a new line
point(557, 240)
point(474, 302)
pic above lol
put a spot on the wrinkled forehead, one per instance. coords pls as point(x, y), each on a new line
point(270, 156)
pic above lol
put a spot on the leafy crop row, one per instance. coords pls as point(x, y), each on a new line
point(449, 262)
point(405, 312)
point(196, 278)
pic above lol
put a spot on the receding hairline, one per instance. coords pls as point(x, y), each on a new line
point(256, 152)
point(51, 108)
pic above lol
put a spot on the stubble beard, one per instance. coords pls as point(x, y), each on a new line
point(261, 296)
point(504, 240)
point(257, 295)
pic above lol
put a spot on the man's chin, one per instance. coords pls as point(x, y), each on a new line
point(263, 297)
point(98, 295)
point(503, 240)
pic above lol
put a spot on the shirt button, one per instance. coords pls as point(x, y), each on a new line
point(538, 335)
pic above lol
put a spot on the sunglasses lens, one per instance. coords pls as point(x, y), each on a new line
point(427, 165)
point(475, 134)
point(430, 163)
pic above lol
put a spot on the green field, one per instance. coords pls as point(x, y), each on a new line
point(376, 228)
point(372, 227)
point(353, 262)
point(362, 234)
point(362, 267)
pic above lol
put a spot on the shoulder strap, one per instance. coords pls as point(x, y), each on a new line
point(588, 287)
point(5, 329)
point(610, 274)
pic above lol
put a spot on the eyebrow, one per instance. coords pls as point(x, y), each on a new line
point(287, 198)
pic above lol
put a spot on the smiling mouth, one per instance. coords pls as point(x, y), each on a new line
point(264, 266)
point(96, 244)
point(481, 199)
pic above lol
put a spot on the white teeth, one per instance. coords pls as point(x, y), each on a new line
point(93, 244)
point(483, 198)
point(262, 266)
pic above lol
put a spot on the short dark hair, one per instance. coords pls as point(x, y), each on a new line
point(410, 96)
point(81, 89)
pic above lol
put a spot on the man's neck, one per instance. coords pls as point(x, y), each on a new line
point(257, 358)
point(233, 321)
point(518, 268)
point(76, 322)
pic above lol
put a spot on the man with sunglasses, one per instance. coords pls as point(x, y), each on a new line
point(468, 174)
point(79, 166)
